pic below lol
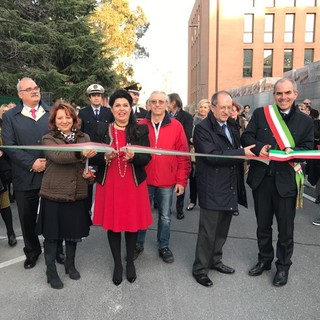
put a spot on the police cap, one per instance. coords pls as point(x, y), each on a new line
point(136, 88)
point(95, 88)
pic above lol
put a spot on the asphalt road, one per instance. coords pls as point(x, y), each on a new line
point(168, 291)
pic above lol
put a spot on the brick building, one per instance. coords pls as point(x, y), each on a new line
point(237, 43)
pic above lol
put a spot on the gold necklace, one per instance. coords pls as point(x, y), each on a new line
point(122, 175)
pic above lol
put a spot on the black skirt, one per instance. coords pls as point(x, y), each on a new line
point(63, 220)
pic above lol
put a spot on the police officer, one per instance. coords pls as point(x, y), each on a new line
point(95, 113)
point(92, 117)
point(134, 91)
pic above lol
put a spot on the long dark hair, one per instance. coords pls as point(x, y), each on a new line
point(132, 129)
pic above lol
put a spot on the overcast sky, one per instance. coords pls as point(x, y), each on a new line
point(167, 43)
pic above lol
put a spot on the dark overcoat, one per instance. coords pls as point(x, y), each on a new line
point(259, 133)
point(18, 130)
point(220, 181)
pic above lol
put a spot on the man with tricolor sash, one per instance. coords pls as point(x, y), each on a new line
point(277, 187)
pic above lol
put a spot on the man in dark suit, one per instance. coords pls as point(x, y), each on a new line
point(134, 90)
point(95, 113)
point(220, 185)
point(274, 186)
point(175, 108)
point(25, 124)
point(94, 116)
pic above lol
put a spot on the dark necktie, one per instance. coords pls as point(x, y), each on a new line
point(227, 132)
point(96, 113)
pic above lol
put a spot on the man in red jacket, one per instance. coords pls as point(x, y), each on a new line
point(165, 173)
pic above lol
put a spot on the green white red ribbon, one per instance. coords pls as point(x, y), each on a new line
point(276, 155)
point(285, 140)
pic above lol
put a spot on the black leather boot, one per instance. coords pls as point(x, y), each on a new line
point(60, 255)
point(50, 249)
point(69, 262)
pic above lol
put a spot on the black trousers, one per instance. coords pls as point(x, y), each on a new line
point(213, 231)
point(267, 203)
point(180, 202)
point(27, 203)
point(193, 185)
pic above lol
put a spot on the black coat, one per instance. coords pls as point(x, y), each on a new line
point(18, 130)
point(220, 181)
point(259, 133)
point(186, 120)
point(140, 113)
point(89, 122)
point(139, 161)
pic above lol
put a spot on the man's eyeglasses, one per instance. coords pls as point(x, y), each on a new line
point(154, 102)
point(36, 88)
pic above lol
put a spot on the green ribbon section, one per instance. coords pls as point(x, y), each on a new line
point(284, 126)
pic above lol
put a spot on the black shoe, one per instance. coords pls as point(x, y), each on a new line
point(60, 258)
point(203, 279)
point(30, 262)
point(317, 201)
point(281, 278)
point(191, 206)
point(117, 275)
point(12, 240)
point(180, 215)
point(259, 268)
point(166, 255)
point(131, 272)
point(137, 251)
point(224, 269)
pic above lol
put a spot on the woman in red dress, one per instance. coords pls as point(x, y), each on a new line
point(122, 201)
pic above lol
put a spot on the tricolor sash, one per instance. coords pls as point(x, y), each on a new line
point(284, 140)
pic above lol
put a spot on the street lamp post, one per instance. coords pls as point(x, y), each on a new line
point(196, 26)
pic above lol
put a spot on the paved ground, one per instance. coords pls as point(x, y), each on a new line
point(167, 291)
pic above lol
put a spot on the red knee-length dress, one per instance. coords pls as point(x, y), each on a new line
point(121, 205)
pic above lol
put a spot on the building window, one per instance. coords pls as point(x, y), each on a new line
point(268, 3)
point(288, 60)
point(308, 56)
point(306, 3)
point(285, 3)
point(248, 3)
point(310, 24)
point(268, 28)
point(289, 28)
point(248, 28)
point(247, 63)
point(267, 63)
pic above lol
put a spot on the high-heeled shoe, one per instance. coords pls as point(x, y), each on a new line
point(191, 206)
point(12, 240)
point(117, 275)
point(131, 272)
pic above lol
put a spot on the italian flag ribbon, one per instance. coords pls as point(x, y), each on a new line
point(284, 140)
point(275, 155)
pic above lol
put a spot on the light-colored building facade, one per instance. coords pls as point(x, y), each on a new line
point(236, 43)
